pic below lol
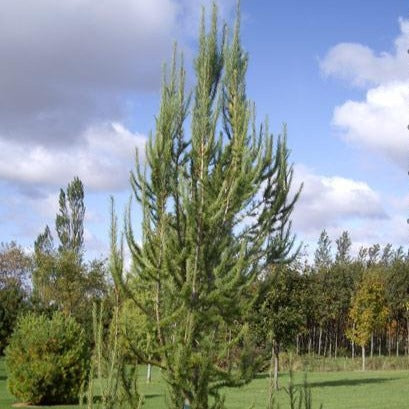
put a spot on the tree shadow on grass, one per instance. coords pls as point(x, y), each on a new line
point(349, 382)
point(152, 395)
point(336, 382)
point(96, 400)
point(261, 375)
point(3, 378)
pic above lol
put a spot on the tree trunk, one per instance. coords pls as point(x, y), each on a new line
point(297, 342)
point(363, 358)
point(380, 346)
point(371, 345)
point(407, 336)
point(149, 374)
point(319, 342)
point(272, 383)
point(330, 347)
point(314, 341)
point(397, 345)
point(309, 344)
point(353, 349)
point(336, 345)
point(276, 364)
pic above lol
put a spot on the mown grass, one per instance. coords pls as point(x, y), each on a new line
point(336, 390)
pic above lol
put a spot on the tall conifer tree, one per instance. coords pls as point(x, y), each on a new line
point(216, 208)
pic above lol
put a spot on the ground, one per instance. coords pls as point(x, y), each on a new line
point(335, 390)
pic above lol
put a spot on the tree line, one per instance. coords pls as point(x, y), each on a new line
point(337, 303)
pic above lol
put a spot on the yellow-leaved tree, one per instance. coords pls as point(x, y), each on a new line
point(369, 310)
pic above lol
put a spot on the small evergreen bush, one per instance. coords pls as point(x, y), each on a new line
point(47, 359)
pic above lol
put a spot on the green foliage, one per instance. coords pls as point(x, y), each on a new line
point(61, 279)
point(278, 314)
point(322, 255)
point(216, 207)
point(136, 332)
point(343, 248)
point(47, 359)
point(15, 268)
point(111, 370)
point(281, 312)
point(114, 381)
point(69, 222)
point(12, 303)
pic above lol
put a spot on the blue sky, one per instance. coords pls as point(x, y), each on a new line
point(79, 87)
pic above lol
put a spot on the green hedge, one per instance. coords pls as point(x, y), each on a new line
point(47, 359)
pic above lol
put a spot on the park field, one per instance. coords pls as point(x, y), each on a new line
point(335, 390)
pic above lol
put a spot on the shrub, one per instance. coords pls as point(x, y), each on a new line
point(47, 359)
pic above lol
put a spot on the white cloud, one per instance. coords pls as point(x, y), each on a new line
point(72, 63)
point(68, 64)
point(379, 122)
point(102, 161)
point(362, 66)
point(333, 203)
point(72, 74)
point(337, 204)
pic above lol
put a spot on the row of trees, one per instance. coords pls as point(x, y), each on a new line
point(338, 302)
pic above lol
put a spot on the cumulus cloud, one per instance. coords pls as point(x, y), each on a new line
point(379, 122)
point(337, 204)
point(102, 161)
point(333, 202)
point(72, 63)
point(71, 71)
point(362, 66)
point(68, 64)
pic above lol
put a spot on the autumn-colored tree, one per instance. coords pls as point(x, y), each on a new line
point(369, 310)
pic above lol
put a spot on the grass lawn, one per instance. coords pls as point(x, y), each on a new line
point(336, 390)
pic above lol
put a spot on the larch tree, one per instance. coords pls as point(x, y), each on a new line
point(216, 206)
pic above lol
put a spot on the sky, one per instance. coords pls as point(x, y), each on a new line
point(79, 90)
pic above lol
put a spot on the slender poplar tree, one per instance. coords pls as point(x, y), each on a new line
point(216, 206)
point(69, 223)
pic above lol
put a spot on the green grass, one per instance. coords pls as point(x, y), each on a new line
point(336, 390)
